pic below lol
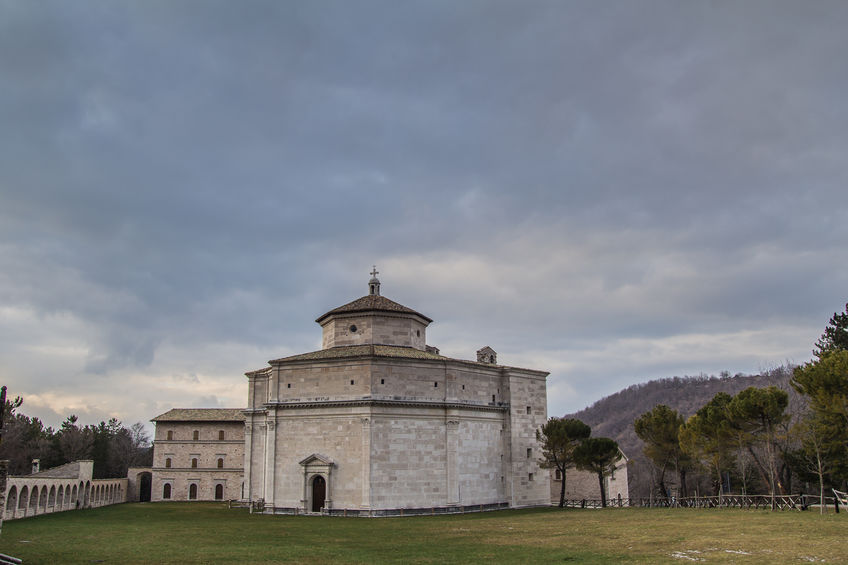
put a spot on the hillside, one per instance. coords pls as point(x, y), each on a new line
point(613, 415)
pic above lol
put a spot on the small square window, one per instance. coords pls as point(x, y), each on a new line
point(351, 381)
point(382, 381)
point(288, 385)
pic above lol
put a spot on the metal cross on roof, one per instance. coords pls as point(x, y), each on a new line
point(375, 272)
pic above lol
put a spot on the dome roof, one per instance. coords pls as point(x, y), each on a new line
point(372, 303)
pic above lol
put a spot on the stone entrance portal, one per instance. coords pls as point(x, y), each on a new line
point(317, 483)
point(319, 491)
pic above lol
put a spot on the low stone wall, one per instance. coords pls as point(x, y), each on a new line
point(69, 487)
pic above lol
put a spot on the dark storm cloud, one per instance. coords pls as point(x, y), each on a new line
point(185, 180)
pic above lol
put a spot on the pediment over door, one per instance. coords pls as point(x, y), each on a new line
point(317, 459)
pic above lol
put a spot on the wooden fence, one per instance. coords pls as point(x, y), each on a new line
point(753, 502)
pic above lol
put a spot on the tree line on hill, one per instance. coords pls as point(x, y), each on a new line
point(754, 442)
point(111, 446)
point(815, 396)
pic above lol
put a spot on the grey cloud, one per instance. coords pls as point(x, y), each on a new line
point(180, 174)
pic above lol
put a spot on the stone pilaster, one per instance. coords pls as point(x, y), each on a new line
point(366, 463)
point(452, 441)
point(270, 460)
point(248, 457)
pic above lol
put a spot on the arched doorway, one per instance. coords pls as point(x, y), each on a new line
point(219, 492)
point(192, 491)
point(319, 492)
point(145, 483)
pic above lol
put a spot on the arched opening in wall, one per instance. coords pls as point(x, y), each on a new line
point(33, 500)
point(86, 495)
point(192, 491)
point(60, 497)
point(12, 500)
point(166, 491)
point(75, 495)
point(319, 492)
point(22, 503)
point(42, 499)
point(144, 481)
point(51, 499)
point(219, 492)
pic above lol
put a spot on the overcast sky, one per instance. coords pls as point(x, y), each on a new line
point(610, 191)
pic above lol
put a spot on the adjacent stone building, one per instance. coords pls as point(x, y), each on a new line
point(583, 485)
point(198, 454)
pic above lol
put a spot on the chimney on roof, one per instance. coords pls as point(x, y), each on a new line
point(36, 466)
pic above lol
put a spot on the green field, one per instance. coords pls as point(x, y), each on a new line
point(210, 533)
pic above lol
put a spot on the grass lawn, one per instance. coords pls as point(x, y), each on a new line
point(210, 533)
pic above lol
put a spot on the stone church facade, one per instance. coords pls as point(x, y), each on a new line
point(377, 422)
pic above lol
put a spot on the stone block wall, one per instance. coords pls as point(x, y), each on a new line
point(183, 461)
point(379, 329)
point(528, 412)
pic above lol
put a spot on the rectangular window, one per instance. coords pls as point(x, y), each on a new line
point(382, 381)
point(529, 452)
point(558, 475)
point(528, 409)
point(530, 477)
point(436, 385)
point(493, 398)
point(170, 435)
point(195, 435)
point(220, 435)
point(288, 385)
point(351, 381)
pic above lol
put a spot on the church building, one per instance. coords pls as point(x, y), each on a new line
point(374, 423)
point(377, 422)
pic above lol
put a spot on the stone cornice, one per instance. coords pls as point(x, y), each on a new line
point(500, 407)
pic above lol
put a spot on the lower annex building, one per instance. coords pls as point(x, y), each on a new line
point(374, 422)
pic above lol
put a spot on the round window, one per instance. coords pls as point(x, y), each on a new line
point(353, 329)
